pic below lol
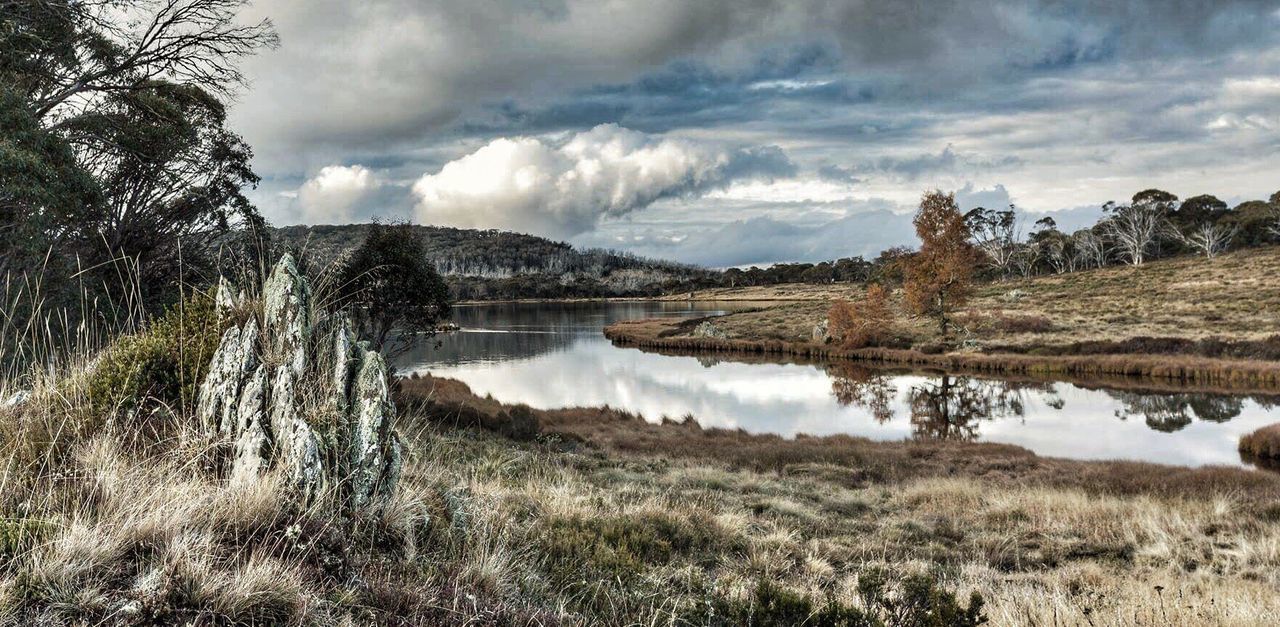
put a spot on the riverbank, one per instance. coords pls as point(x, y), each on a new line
point(1126, 322)
point(1040, 539)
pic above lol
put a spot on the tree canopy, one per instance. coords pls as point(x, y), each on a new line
point(388, 283)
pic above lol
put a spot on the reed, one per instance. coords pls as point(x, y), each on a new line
point(1263, 444)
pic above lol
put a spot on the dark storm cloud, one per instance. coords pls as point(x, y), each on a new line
point(1066, 103)
point(374, 71)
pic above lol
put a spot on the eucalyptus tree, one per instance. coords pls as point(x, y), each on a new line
point(995, 233)
point(125, 100)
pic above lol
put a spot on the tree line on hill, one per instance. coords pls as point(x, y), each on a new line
point(1153, 224)
point(957, 249)
point(501, 265)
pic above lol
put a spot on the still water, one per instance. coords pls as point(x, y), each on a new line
point(551, 355)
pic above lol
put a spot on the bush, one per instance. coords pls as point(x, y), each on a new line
point(1023, 324)
point(1263, 443)
point(388, 283)
point(867, 322)
point(163, 364)
point(886, 601)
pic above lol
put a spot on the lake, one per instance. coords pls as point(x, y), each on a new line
point(551, 355)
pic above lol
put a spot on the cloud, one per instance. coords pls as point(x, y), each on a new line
point(334, 194)
point(787, 232)
point(949, 161)
point(385, 71)
point(1065, 104)
point(533, 185)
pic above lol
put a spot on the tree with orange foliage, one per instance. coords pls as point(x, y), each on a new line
point(939, 277)
point(867, 322)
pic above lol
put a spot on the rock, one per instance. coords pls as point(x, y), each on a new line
point(286, 313)
point(272, 398)
point(16, 399)
point(821, 334)
point(371, 441)
point(252, 443)
point(224, 299)
point(232, 364)
point(710, 329)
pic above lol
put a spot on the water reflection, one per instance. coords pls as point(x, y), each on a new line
point(944, 407)
point(1172, 412)
point(551, 356)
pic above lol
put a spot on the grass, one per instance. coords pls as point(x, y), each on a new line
point(1263, 445)
point(645, 509)
point(1234, 296)
point(600, 518)
point(1145, 322)
point(593, 516)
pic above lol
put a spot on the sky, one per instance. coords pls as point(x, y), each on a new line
point(728, 133)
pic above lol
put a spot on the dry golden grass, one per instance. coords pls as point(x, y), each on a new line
point(1263, 444)
point(1205, 323)
point(608, 520)
point(1234, 296)
point(1044, 541)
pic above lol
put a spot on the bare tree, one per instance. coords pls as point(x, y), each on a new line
point(1025, 259)
point(1208, 238)
point(1090, 249)
point(995, 233)
point(1135, 228)
point(115, 46)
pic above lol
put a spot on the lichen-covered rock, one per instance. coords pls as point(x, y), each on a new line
point(252, 441)
point(232, 364)
point(373, 457)
point(224, 300)
point(17, 399)
point(277, 400)
point(710, 329)
point(286, 313)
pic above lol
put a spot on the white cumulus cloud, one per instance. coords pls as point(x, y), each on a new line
point(335, 194)
point(561, 189)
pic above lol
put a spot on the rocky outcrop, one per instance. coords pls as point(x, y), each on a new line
point(302, 397)
point(710, 329)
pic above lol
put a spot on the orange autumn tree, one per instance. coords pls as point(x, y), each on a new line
point(866, 322)
point(938, 279)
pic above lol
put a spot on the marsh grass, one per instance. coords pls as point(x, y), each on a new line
point(597, 517)
point(1263, 444)
point(708, 514)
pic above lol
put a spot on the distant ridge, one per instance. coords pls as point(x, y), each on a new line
point(491, 263)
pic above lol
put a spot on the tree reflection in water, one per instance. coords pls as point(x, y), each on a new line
point(865, 388)
point(1171, 412)
point(949, 408)
point(944, 407)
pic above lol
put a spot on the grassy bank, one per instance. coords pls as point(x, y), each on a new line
point(1235, 296)
point(507, 515)
point(1205, 323)
point(1044, 541)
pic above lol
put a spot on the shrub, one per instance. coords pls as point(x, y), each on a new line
point(886, 601)
point(388, 283)
point(1263, 443)
point(165, 363)
point(20, 534)
point(867, 322)
point(1023, 324)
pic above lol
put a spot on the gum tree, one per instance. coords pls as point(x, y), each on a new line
point(939, 277)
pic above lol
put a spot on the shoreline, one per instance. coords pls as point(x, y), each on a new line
point(1194, 373)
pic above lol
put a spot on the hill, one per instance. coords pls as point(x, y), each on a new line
point(493, 264)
